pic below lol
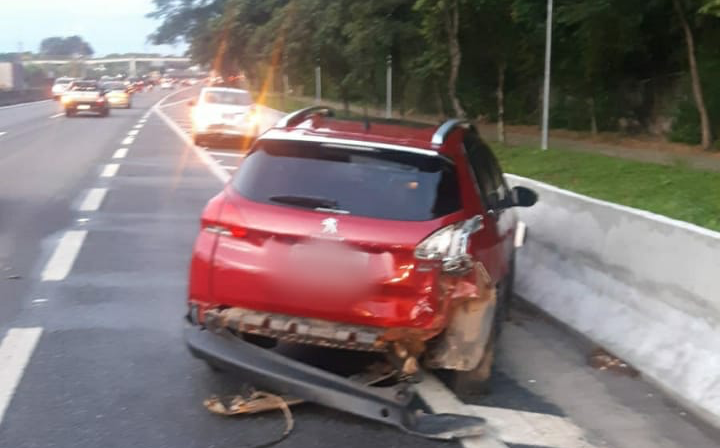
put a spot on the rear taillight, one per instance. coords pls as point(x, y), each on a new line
point(211, 219)
point(450, 244)
point(101, 100)
point(224, 229)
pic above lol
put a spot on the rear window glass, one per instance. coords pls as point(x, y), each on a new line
point(228, 97)
point(84, 86)
point(114, 86)
point(384, 184)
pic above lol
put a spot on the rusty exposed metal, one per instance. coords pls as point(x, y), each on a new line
point(462, 345)
point(298, 329)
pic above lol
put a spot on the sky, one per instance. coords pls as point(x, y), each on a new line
point(110, 26)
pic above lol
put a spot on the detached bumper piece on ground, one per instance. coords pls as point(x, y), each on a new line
point(397, 405)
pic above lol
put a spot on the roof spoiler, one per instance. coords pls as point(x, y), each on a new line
point(298, 116)
point(444, 130)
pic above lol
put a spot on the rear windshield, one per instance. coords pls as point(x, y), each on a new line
point(63, 81)
point(227, 97)
point(384, 184)
point(115, 86)
point(84, 86)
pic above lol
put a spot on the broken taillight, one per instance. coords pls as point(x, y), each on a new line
point(450, 244)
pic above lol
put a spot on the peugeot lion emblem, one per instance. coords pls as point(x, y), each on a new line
point(330, 226)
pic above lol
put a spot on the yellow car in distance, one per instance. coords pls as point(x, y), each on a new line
point(118, 94)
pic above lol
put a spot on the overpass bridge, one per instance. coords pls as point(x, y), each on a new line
point(131, 61)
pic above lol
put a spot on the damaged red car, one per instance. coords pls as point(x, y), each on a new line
point(369, 235)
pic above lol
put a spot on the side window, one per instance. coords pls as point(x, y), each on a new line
point(487, 171)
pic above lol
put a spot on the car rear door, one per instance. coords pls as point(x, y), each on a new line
point(494, 245)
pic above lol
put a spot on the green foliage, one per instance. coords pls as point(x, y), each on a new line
point(675, 191)
point(65, 46)
point(609, 56)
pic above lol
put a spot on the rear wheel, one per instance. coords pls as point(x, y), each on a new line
point(105, 113)
point(69, 113)
point(478, 379)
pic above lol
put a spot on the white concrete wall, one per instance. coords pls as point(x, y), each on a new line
point(645, 287)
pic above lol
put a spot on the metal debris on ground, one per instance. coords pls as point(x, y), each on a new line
point(260, 401)
point(602, 360)
point(257, 402)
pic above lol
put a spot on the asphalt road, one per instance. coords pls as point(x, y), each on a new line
point(96, 226)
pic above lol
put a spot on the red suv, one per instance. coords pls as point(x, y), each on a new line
point(377, 236)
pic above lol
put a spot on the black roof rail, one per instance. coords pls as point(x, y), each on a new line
point(446, 128)
point(300, 115)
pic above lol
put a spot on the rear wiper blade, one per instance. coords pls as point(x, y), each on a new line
point(306, 201)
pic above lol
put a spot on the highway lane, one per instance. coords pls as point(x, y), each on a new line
point(44, 162)
point(104, 363)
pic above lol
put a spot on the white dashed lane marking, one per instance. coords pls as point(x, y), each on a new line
point(16, 349)
point(57, 115)
point(110, 170)
point(138, 126)
point(60, 263)
point(133, 132)
point(128, 140)
point(120, 153)
point(93, 200)
point(2, 133)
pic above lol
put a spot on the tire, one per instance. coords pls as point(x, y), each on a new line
point(478, 379)
point(105, 113)
point(129, 106)
point(69, 113)
point(505, 298)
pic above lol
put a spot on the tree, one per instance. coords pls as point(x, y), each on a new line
point(441, 20)
point(65, 46)
point(697, 88)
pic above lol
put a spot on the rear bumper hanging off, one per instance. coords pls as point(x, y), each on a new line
point(397, 405)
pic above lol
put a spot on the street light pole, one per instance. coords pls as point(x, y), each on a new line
point(318, 82)
point(546, 91)
point(388, 84)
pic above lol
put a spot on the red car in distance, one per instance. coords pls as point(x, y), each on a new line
point(369, 235)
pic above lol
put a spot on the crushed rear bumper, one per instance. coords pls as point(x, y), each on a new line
point(397, 405)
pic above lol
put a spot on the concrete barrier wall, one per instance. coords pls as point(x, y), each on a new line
point(645, 287)
point(8, 97)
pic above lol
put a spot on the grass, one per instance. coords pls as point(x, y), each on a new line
point(287, 104)
point(676, 191)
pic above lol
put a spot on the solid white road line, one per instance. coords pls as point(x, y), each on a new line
point(61, 261)
point(226, 154)
point(175, 103)
point(120, 153)
point(93, 199)
point(57, 115)
point(25, 104)
point(133, 132)
point(16, 349)
point(110, 170)
point(211, 163)
point(128, 140)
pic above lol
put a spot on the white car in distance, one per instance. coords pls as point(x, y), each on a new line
point(221, 114)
